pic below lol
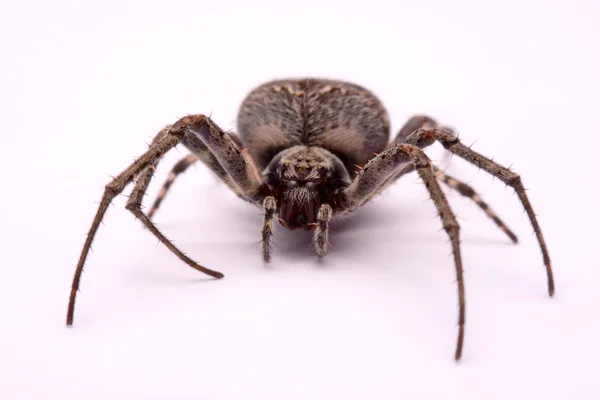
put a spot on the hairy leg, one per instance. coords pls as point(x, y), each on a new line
point(203, 154)
point(461, 188)
point(450, 141)
point(421, 121)
point(269, 205)
point(469, 192)
point(377, 171)
point(321, 236)
point(134, 204)
point(189, 130)
point(415, 122)
point(179, 168)
point(164, 141)
point(233, 161)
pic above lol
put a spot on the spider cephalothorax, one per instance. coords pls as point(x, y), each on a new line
point(297, 140)
point(302, 178)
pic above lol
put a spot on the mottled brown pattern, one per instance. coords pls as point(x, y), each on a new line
point(469, 192)
point(450, 141)
point(341, 117)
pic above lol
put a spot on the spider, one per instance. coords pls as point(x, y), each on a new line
point(297, 141)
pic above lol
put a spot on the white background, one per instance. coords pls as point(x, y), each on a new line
point(84, 87)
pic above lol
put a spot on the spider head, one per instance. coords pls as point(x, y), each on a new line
point(302, 178)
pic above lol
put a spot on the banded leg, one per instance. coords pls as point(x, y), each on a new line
point(188, 130)
point(179, 168)
point(321, 236)
point(134, 204)
point(269, 205)
point(164, 141)
point(461, 188)
point(451, 143)
point(377, 171)
point(422, 121)
point(468, 191)
point(202, 153)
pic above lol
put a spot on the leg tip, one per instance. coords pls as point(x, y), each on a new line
point(266, 252)
point(219, 275)
point(321, 252)
point(458, 355)
point(550, 279)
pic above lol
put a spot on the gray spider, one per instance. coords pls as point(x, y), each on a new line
point(298, 140)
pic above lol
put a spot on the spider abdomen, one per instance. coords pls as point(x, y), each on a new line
point(341, 117)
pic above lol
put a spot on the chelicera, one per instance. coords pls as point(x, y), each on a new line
point(297, 141)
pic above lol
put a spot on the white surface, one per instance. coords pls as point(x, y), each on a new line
point(85, 87)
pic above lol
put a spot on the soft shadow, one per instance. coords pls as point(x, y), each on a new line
point(484, 241)
point(171, 280)
point(235, 226)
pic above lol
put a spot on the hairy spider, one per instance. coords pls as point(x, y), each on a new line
point(298, 140)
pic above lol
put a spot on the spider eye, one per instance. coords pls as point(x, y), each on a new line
point(311, 185)
point(291, 184)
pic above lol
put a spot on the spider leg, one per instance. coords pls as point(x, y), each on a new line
point(421, 121)
point(422, 137)
point(460, 187)
point(406, 169)
point(190, 131)
point(269, 205)
point(203, 154)
point(134, 204)
point(469, 192)
point(237, 170)
point(415, 122)
point(321, 236)
point(179, 168)
point(164, 141)
point(377, 171)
